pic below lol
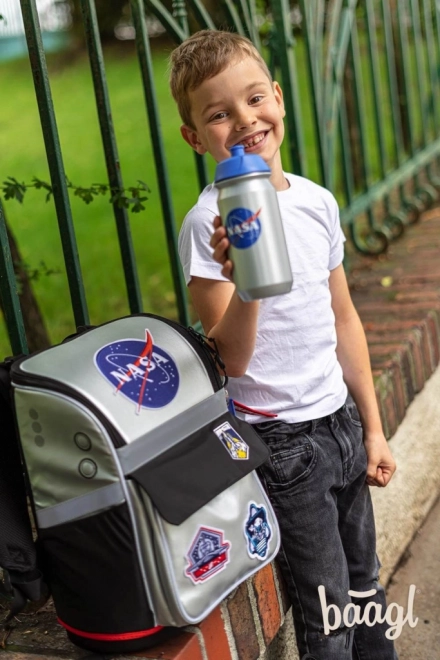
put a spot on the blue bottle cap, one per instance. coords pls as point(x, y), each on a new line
point(240, 164)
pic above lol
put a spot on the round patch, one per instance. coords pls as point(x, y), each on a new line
point(141, 370)
point(243, 227)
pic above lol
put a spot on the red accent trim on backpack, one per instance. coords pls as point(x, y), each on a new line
point(241, 407)
point(111, 637)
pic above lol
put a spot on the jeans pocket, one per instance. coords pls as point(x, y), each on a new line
point(290, 466)
point(352, 411)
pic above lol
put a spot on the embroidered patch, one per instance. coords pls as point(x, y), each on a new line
point(142, 371)
point(243, 227)
point(232, 441)
point(208, 554)
point(257, 531)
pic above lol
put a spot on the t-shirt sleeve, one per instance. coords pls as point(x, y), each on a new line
point(194, 250)
point(337, 237)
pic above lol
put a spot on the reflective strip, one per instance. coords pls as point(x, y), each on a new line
point(79, 507)
point(169, 434)
point(112, 637)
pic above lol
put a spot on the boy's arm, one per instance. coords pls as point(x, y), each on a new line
point(224, 316)
point(229, 320)
point(352, 352)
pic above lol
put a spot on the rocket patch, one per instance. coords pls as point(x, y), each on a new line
point(232, 441)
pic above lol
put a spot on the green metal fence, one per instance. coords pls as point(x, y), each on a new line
point(361, 76)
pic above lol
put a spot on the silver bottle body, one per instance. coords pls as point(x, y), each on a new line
point(262, 269)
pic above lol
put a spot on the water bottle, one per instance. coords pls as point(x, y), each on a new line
point(249, 209)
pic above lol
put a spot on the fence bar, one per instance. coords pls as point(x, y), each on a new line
point(376, 238)
point(426, 190)
point(347, 163)
point(9, 295)
point(434, 73)
point(144, 55)
point(393, 222)
point(420, 86)
point(415, 203)
point(111, 152)
point(181, 15)
point(165, 18)
point(201, 14)
point(286, 60)
point(334, 84)
point(375, 78)
point(55, 160)
point(234, 17)
point(313, 39)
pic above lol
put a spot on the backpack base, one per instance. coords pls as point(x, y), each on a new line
point(121, 645)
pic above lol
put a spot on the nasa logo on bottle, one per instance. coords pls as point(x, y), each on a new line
point(243, 227)
point(140, 370)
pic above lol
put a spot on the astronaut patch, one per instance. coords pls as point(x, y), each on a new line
point(257, 531)
point(208, 554)
point(140, 370)
point(232, 441)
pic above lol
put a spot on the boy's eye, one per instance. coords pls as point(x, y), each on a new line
point(256, 99)
point(218, 115)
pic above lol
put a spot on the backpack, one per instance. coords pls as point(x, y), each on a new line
point(22, 579)
point(147, 504)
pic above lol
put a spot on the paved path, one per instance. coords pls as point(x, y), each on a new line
point(420, 566)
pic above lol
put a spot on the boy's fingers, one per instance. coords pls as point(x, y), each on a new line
point(217, 222)
point(220, 253)
point(380, 477)
point(227, 269)
point(217, 236)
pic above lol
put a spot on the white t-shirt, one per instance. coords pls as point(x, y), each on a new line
point(294, 371)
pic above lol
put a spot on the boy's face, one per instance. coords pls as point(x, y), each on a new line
point(240, 105)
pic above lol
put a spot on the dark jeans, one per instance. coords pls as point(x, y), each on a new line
point(315, 478)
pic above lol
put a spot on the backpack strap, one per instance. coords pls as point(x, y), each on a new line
point(210, 345)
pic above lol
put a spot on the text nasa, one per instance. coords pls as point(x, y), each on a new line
point(243, 227)
point(134, 371)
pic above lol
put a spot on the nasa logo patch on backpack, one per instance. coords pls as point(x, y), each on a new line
point(142, 371)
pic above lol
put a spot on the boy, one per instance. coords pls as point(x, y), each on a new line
point(294, 355)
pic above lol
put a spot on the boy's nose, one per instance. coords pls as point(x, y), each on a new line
point(244, 118)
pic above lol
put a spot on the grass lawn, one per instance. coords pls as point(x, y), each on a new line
point(34, 222)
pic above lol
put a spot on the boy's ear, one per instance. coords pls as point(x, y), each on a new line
point(190, 136)
point(279, 97)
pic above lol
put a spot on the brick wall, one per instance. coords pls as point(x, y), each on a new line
point(241, 628)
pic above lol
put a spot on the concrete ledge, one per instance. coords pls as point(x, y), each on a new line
point(401, 507)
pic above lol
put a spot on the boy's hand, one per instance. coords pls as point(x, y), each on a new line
point(220, 244)
point(381, 464)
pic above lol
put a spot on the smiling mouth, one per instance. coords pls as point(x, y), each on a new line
point(251, 142)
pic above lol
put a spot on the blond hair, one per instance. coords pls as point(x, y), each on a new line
point(205, 54)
